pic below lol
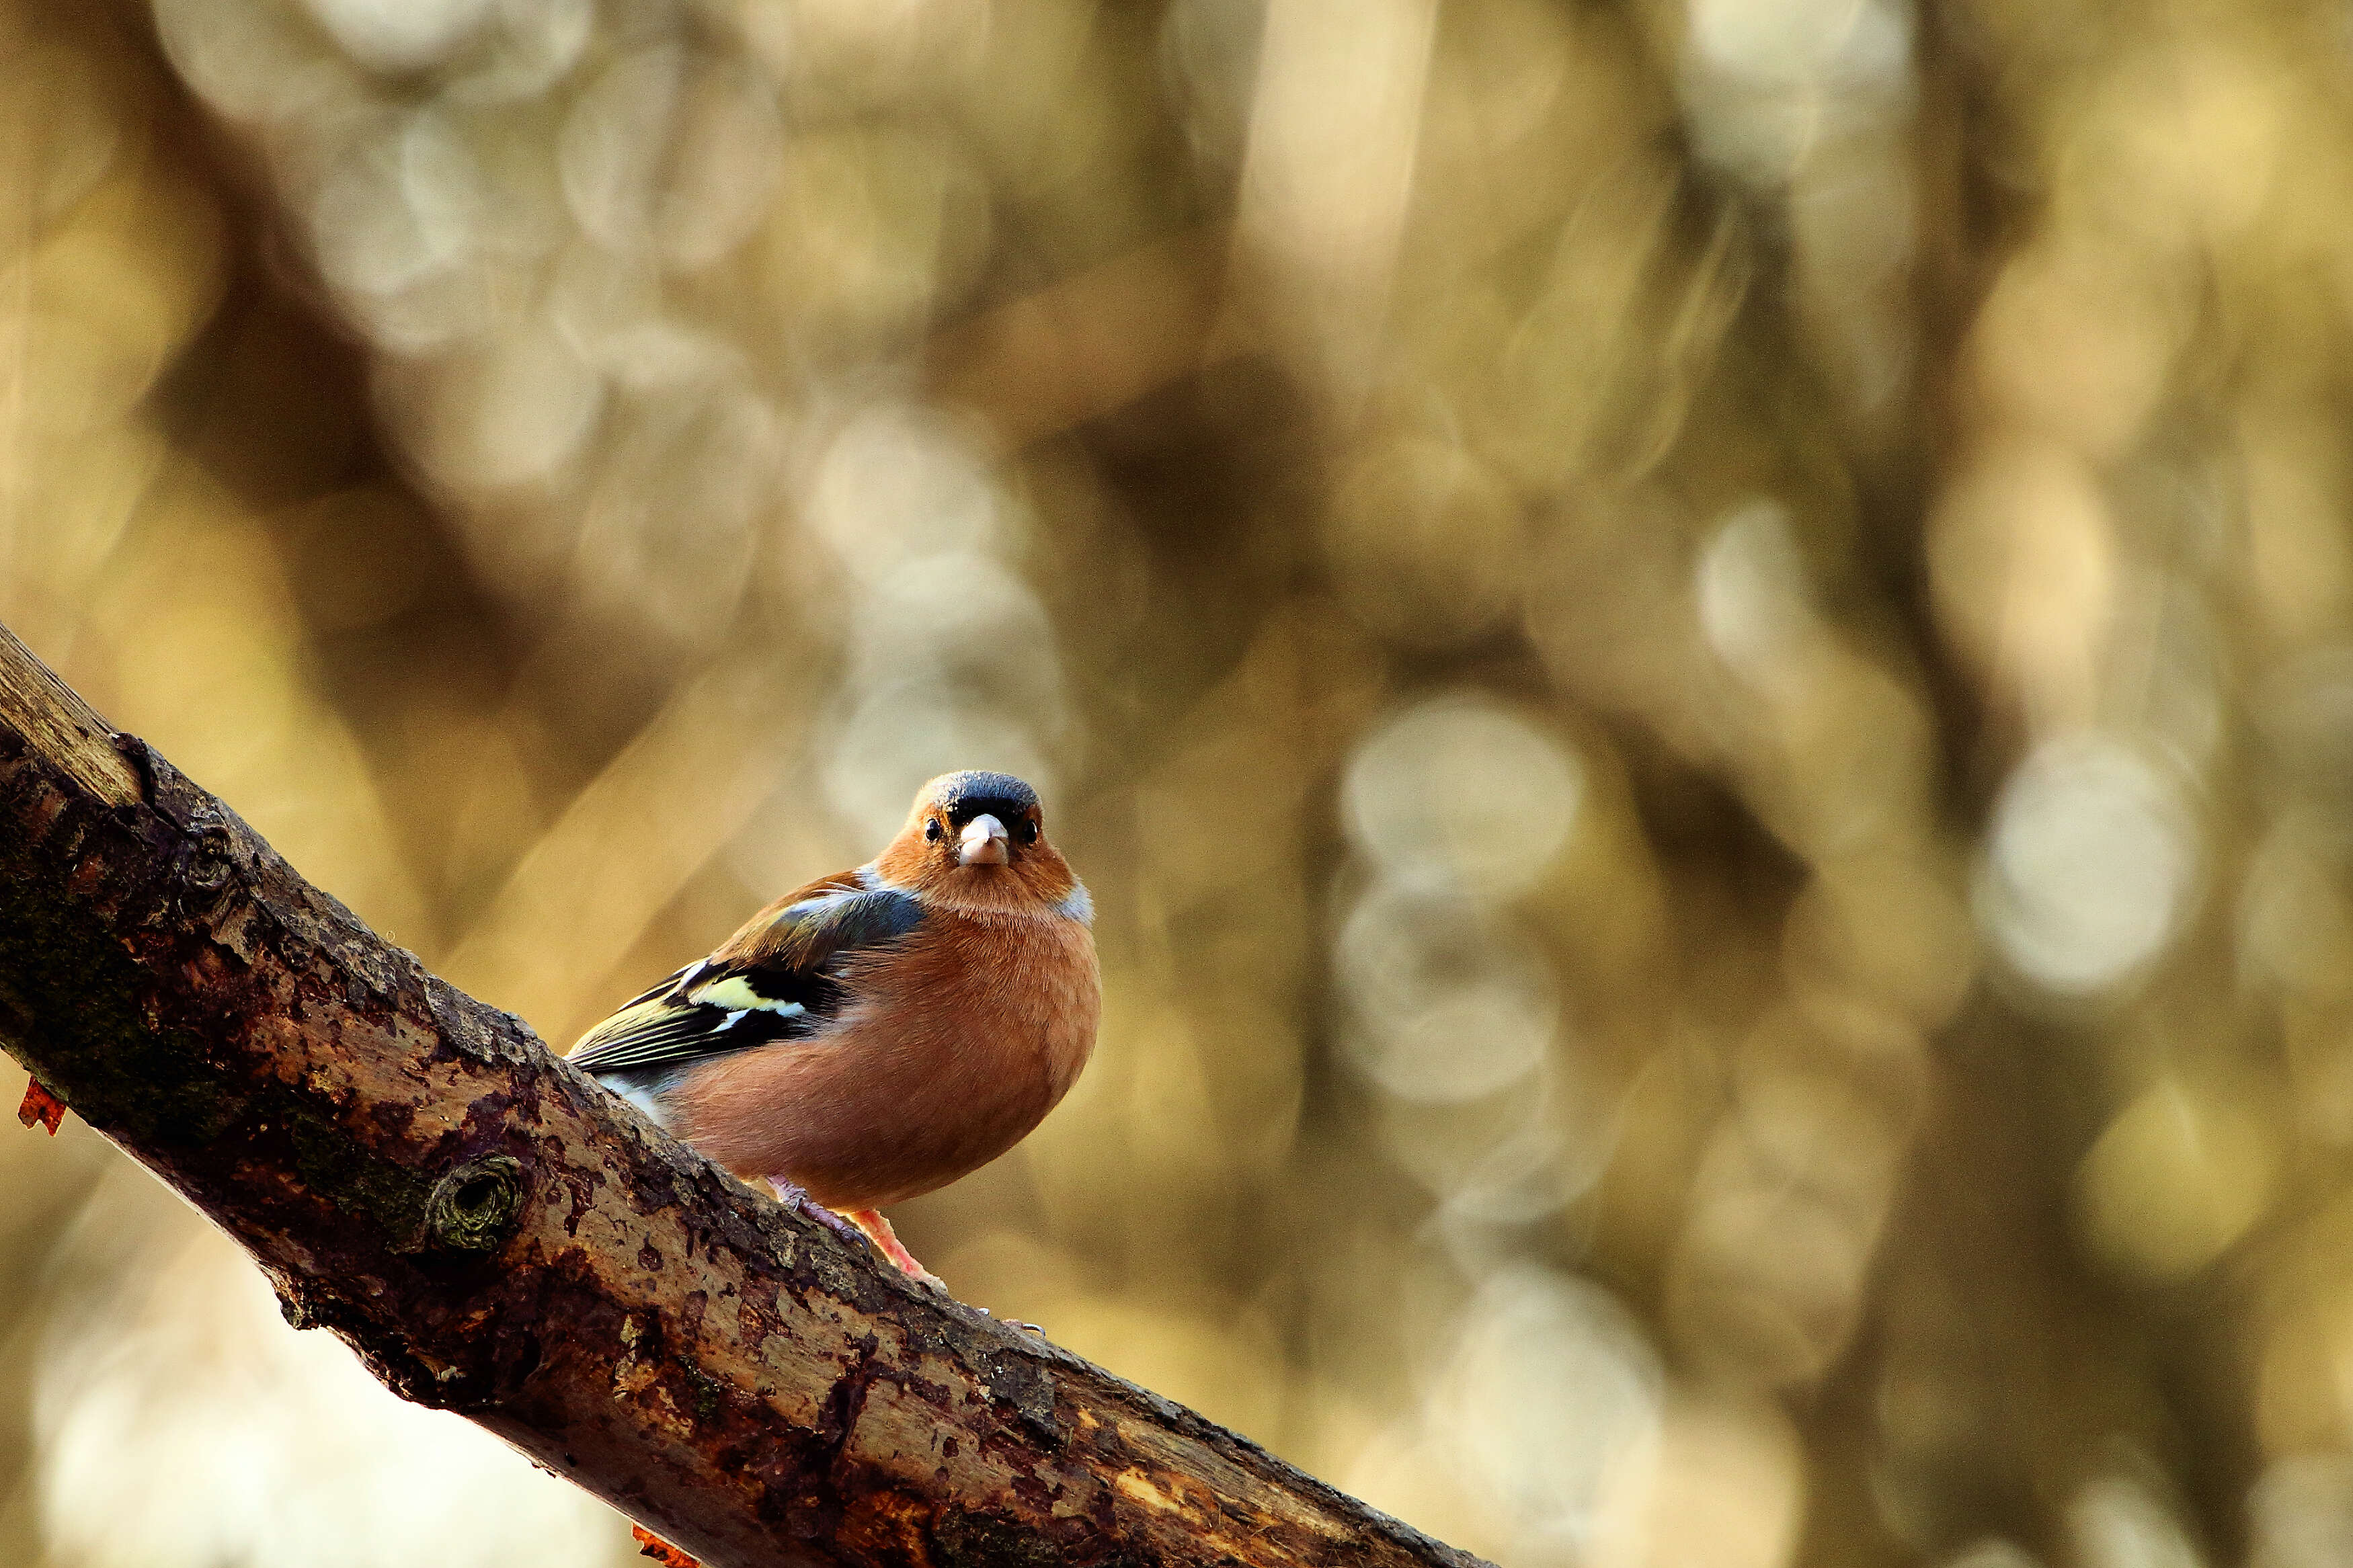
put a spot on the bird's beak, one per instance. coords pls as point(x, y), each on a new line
point(984, 843)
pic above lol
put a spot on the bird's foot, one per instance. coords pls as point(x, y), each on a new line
point(1027, 1327)
point(660, 1550)
point(795, 1196)
point(886, 1240)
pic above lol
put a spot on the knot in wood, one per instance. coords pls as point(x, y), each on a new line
point(473, 1203)
point(208, 861)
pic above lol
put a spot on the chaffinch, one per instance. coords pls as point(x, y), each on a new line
point(880, 1032)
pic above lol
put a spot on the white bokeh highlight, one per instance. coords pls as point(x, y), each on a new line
point(1459, 793)
point(1448, 1001)
point(2090, 865)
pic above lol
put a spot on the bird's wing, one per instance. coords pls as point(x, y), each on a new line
point(779, 978)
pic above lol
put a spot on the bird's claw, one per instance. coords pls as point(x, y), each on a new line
point(864, 1225)
point(794, 1197)
point(660, 1550)
point(886, 1241)
point(1027, 1327)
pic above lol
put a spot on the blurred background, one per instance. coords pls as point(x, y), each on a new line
point(1701, 652)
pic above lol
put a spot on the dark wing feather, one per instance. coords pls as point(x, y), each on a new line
point(780, 978)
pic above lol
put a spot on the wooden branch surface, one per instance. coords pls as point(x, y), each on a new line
point(495, 1235)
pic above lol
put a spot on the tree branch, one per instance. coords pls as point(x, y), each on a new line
point(495, 1235)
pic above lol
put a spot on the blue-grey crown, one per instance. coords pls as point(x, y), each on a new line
point(969, 794)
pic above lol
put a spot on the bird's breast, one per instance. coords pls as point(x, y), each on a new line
point(1002, 1009)
point(959, 1042)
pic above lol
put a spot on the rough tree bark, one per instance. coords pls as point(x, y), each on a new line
point(496, 1236)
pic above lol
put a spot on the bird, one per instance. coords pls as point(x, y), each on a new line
point(878, 1033)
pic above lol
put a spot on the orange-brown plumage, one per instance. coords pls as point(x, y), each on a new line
point(960, 1044)
point(881, 1032)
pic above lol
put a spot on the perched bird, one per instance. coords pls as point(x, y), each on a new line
point(883, 1031)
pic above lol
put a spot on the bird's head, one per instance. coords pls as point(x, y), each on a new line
point(978, 839)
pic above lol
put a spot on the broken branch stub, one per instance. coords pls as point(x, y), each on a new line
point(496, 1236)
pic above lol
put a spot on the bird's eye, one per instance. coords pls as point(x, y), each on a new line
point(1030, 831)
point(931, 831)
